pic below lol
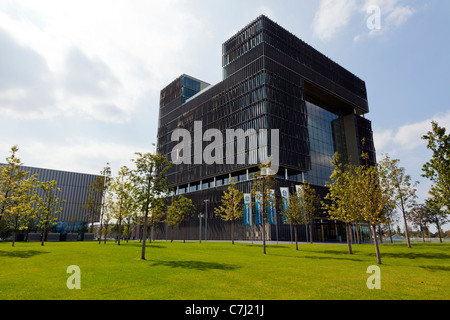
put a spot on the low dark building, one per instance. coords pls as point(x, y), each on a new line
point(74, 195)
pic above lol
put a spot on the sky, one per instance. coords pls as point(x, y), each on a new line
point(80, 80)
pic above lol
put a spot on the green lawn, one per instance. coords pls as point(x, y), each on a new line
point(221, 271)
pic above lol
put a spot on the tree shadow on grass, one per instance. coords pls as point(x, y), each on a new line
point(196, 265)
point(416, 255)
point(436, 268)
point(21, 254)
point(343, 256)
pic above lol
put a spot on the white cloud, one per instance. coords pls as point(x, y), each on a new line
point(393, 14)
point(406, 144)
point(122, 53)
point(77, 154)
point(407, 138)
point(331, 17)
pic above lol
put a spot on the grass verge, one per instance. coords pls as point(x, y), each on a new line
point(221, 271)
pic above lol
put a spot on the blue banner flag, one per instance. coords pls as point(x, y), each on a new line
point(247, 209)
point(258, 209)
point(271, 210)
point(285, 199)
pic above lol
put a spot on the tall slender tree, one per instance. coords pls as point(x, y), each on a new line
point(149, 184)
point(437, 169)
point(232, 207)
point(179, 212)
point(262, 185)
point(404, 189)
point(124, 204)
point(47, 207)
point(12, 186)
point(343, 188)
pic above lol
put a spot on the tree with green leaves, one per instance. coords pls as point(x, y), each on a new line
point(343, 192)
point(420, 216)
point(232, 207)
point(293, 214)
point(404, 189)
point(262, 184)
point(180, 211)
point(12, 186)
point(123, 204)
point(95, 201)
point(47, 206)
point(149, 184)
point(20, 213)
point(437, 215)
point(437, 169)
point(101, 186)
point(374, 198)
point(310, 201)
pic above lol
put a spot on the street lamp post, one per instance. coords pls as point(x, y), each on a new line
point(206, 219)
point(200, 216)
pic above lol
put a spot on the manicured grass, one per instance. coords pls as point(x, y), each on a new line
point(221, 271)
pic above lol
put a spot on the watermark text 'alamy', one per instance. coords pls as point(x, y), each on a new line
point(252, 147)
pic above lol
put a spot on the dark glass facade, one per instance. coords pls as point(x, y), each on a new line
point(271, 80)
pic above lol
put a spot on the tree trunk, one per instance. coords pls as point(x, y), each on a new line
point(380, 232)
point(439, 231)
point(119, 233)
point(264, 235)
point(232, 232)
point(100, 230)
point(376, 245)
point(310, 233)
point(43, 234)
point(349, 238)
point(106, 233)
point(14, 238)
point(296, 237)
point(390, 232)
point(406, 225)
point(144, 236)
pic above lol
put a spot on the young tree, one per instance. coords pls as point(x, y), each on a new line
point(404, 190)
point(47, 207)
point(149, 184)
point(94, 203)
point(101, 185)
point(180, 211)
point(262, 185)
point(375, 197)
point(13, 185)
point(293, 214)
point(437, 215)
point(420, 216)
point(19, 214)
point(123, 204)
point(232, 207)
point(301, 208)
point(343, 196)
point(437, 169)
point(310, 201)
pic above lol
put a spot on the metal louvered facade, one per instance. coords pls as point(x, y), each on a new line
point(271, 80)
point(74, 192)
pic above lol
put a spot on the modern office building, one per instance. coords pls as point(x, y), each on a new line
point(271, 80)
point(74, 195)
